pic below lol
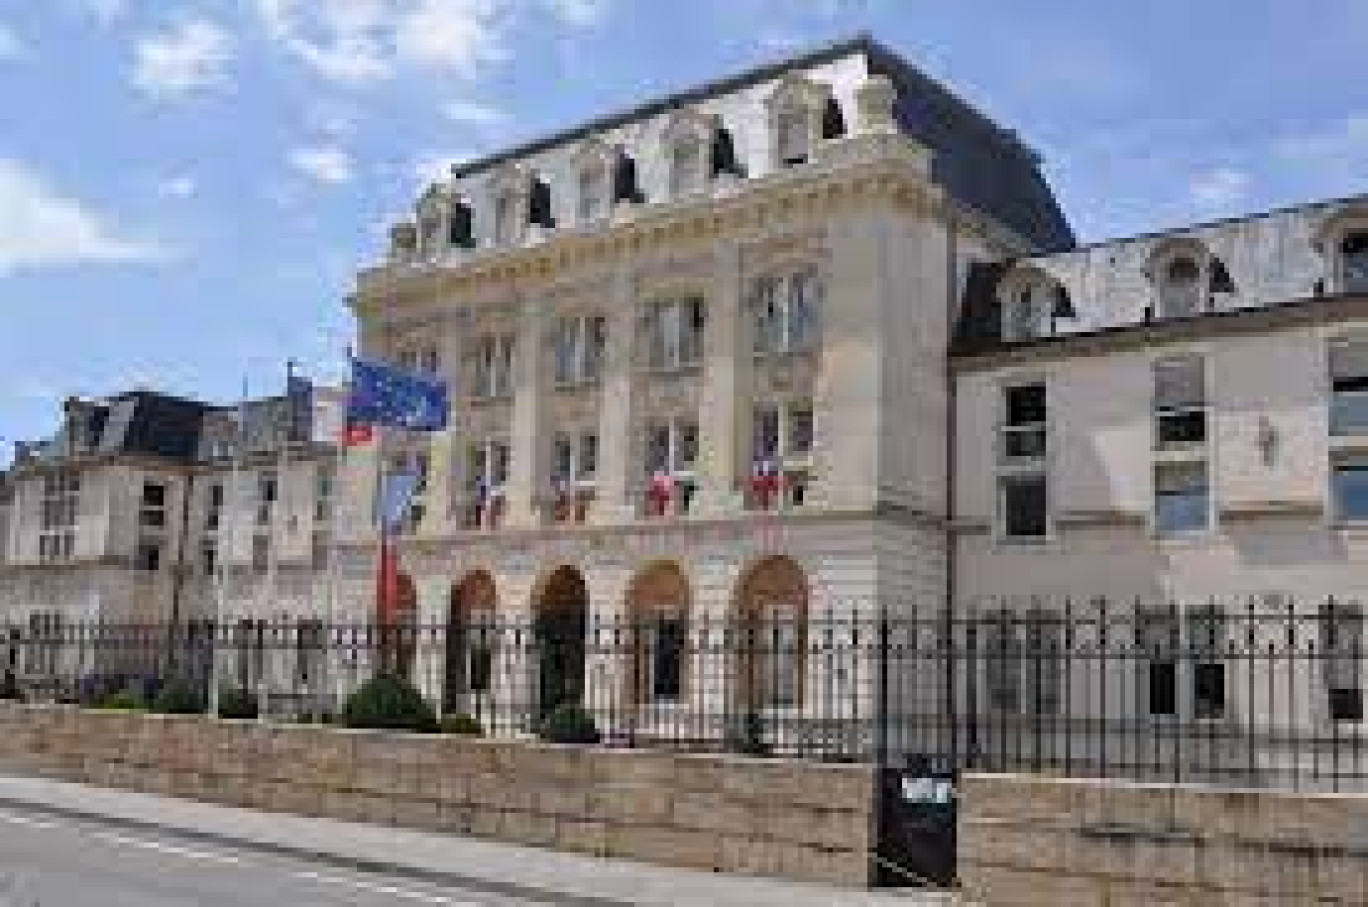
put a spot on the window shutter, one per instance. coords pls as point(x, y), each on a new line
point(833, 121)
point(1179, 383)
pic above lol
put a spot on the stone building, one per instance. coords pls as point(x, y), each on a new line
point(698, 355)
point(144, 509)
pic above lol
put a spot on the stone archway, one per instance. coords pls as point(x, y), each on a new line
point(561, 610)
point(472, 612)
point(658, 602)
point(771, 612)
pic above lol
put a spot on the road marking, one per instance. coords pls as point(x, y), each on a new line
point(377, 888)
point(171, 849)
point(24, 820)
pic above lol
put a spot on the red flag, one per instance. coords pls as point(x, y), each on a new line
point(387, 583)
point(354, 435)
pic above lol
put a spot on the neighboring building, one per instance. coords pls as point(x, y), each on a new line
point(144, 509)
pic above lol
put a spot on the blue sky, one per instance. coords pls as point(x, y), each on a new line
point(187, 187)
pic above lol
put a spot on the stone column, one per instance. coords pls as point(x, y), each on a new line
point(719, 415)
point(615, 409)
point(525, 470)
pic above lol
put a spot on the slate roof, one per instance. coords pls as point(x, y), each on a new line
point(981, 164)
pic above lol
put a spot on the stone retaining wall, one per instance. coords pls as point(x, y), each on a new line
point(725, 813)
point(1042, 841)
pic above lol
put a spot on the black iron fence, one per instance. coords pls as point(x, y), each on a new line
point(1254, 693)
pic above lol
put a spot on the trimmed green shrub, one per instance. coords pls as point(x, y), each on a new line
point(461, 724)
point(125, 700)
point(389, 702)
point(748, 739)
point(237, 702)
point(179, 697)
point(569, 723)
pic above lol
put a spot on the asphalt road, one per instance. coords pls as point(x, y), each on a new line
point(49, 862)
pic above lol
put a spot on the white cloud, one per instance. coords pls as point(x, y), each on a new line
point(1219, 188)
point(190, 56)
point(41, 228)
point(182, 186)
point(435, 165)
point(11, 48)
point(323, 164)
point(473, 113)
point(355, 41)
point(578, 12)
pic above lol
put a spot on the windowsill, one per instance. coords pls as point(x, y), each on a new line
point(684, 369)
point(492, 399)
point(575, 385)
point(1184, 538)
point(1025, 542)
point(783, 355)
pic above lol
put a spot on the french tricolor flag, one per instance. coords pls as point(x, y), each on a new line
point(765, 480)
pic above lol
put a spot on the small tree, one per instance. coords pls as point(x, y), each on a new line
point(569, 723)
point(237, 702)
point(179, 697)
point(389, 702)
point(461, 724)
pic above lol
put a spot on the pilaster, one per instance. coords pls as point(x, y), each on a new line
point(528, 405)
point(615, 409)
point(719, 415)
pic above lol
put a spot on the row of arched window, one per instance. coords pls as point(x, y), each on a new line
point(1187, 280)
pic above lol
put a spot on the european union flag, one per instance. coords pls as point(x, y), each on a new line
point(384, 395)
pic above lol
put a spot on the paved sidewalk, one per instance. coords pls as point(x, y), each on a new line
point(498, 868)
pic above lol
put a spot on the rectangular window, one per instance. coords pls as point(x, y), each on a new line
point(209, 557)
point(562, 458)
point(588, 459)
point(800, 430)
point(1349, 388)
point(1157, 640)
point(1180, 405)
point(1024, 426)
point(214, 512)
point(320, 548)
point(148, 556)
point(769, 321)
point(152, 513)
point(802, 310)
point(766, 429)
point(1206, 628)
point(1349, 486)
point(1341, 627)
point(1024, 506)
point(494, 366)
point(1182, 497)
point(261, 553)
point(675, 333)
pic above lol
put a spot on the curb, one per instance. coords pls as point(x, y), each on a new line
point(474, 884)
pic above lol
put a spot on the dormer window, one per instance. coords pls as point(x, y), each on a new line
point(1022, 318)
point(686, 167)
point(1353, 262)
point(791, 135)
point(1187, 278)
point(460, 226)
point(800, 113)
point(507, 223)
point(593, 193)
point(1180, 293)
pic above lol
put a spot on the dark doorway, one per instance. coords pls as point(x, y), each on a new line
point(470, 637)
point(562, 611)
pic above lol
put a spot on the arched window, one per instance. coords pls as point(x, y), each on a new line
point(1180, 292)
point(1353, 256)
point(1021, 320)
point(687, 171)
point(792, 135)
point(772, 610)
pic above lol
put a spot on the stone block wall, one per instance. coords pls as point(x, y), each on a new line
point(1045, 841)
point(715, 812)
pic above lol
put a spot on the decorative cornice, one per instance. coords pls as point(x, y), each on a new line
point(1291, 315)
point(871, 169)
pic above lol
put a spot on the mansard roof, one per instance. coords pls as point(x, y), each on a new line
point(981, 164)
